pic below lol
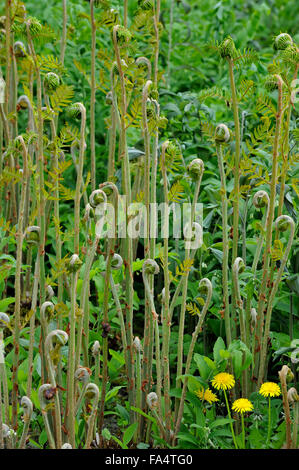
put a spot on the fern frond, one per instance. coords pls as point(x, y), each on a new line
point(246, 88)
point(61, 98)
point(184, 267)
point(176, 192)
point(247, 57)
point(50, 63)
point(192, 309)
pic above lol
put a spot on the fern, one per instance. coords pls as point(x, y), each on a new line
point(192, 309)
point(50, 63)
point(61, 98)
point(176, 192)
point(184, 267)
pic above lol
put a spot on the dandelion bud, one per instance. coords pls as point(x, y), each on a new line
point(32, 235)
point(222, 134)
point(4, 320)
point(137, 344)
point(19, 49)
point(152, 400)
point(51, 82)
point(195, 169)
point(283, 222)
point(228, 48)
point(74, 264)
point(282, 41)
point(293, 395)
point(260, 199)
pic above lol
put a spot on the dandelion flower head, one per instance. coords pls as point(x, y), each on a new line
point(206, 395)
point(242, 405)
point(223, 381)
point(270, 389)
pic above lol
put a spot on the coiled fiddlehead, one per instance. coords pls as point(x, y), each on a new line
point(82, 374)
point(45, 396)
point(26, 403)
point(92, 393)
point(150, 267)
point(52, 359)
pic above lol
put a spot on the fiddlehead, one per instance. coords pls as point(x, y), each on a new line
point(46, 313)
point(45, 395)
point(26, 403)
point(149, 268)
point(93, 394)
point(82, 374)
point(52, 359)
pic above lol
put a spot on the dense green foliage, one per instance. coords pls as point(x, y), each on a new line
point(199, 81)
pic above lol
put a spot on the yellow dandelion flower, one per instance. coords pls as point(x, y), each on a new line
point(242, 405)
point(223, 381)
point(270, 389)
point(206, 395)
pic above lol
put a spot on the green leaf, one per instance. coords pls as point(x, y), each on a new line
point(106, 434)
point(142, 413)
point(220, 422)
point(4, 303)
point(129, 433)
point(218, 347)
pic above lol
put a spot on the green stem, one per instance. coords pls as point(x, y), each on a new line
point(230, 417)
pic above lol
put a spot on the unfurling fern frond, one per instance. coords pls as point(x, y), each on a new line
point(184, 267)
point(208, 130)
point(173, 158)
point(61, 98)
point(192, 309)
point(50, 63)
point(247, 57)
point(265, 106)
point(176, 192)
point(214, 92)
point(246, 89)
